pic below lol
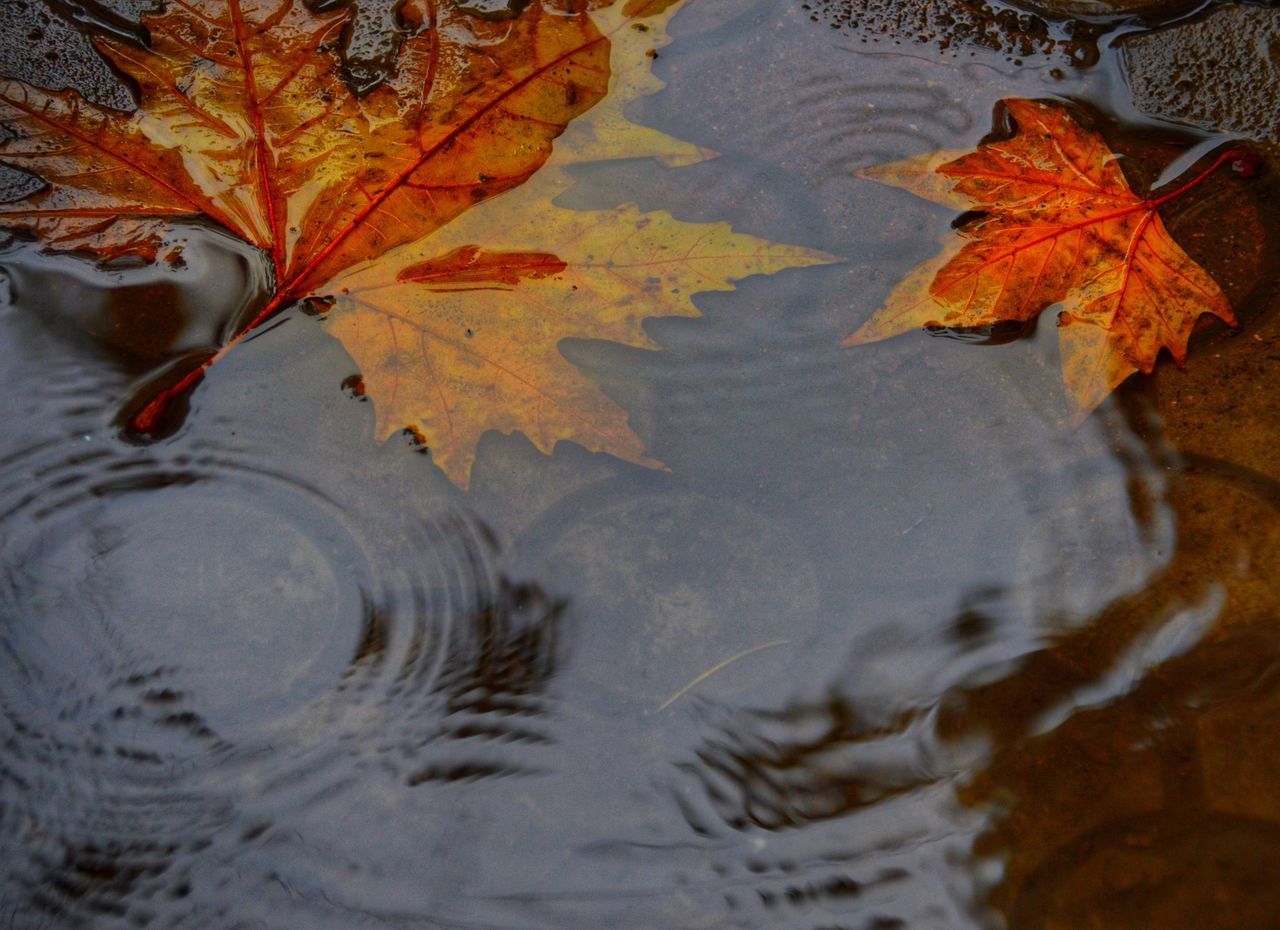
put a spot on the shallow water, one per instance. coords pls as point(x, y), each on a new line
point(969, 667)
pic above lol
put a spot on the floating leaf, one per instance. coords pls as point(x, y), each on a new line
point(1058, 225)
point(244, 118)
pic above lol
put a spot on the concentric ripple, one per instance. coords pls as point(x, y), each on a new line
point(204, 640)
point(193, 646)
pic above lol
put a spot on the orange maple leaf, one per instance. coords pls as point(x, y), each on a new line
point(1059, 225)
point(245, 119)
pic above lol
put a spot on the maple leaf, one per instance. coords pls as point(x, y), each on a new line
point(244, 119)
point(459, 333)
point(453, 339)
point(1059, 225)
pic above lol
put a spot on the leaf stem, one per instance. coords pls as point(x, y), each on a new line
point(148, 419)
point(1228, 156)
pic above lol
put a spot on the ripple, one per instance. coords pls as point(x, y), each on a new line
point(195, 646)
point(860, 123)
point(129, 670)
point(209, 642)
point(136, 564)
point(786, 770)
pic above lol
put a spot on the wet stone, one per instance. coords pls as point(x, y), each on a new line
point(1220, 72)
point(371, 41)
point(129, 10)
point(39, 46)
point(493, 9)
point(1105, 8)
point(1030, 32)
point(16, 184)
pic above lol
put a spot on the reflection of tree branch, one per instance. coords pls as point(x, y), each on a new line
point(1007, 709)
point(807, 763)
point(1131, 792)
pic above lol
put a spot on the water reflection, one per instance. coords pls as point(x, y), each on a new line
point(202, 639)
point(1120, 771)
point(1132, 778)
point(774, 771)
point(166, 708)
point(266, 673)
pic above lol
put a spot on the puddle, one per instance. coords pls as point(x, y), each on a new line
point(887, 645)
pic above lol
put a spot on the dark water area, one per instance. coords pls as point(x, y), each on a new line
point(889, 646)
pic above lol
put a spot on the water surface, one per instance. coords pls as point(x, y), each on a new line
point(970, 667)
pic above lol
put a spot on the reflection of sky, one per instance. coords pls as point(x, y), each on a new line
point(907, 526)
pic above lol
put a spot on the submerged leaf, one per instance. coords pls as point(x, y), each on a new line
point(1059, 225)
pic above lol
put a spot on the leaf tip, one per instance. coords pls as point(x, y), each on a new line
point(859, 337)
point(871, 173)
point(812, 258)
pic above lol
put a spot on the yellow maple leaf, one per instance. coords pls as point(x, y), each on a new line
point(453, 339)
point(459, 333)
point(417, 205)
